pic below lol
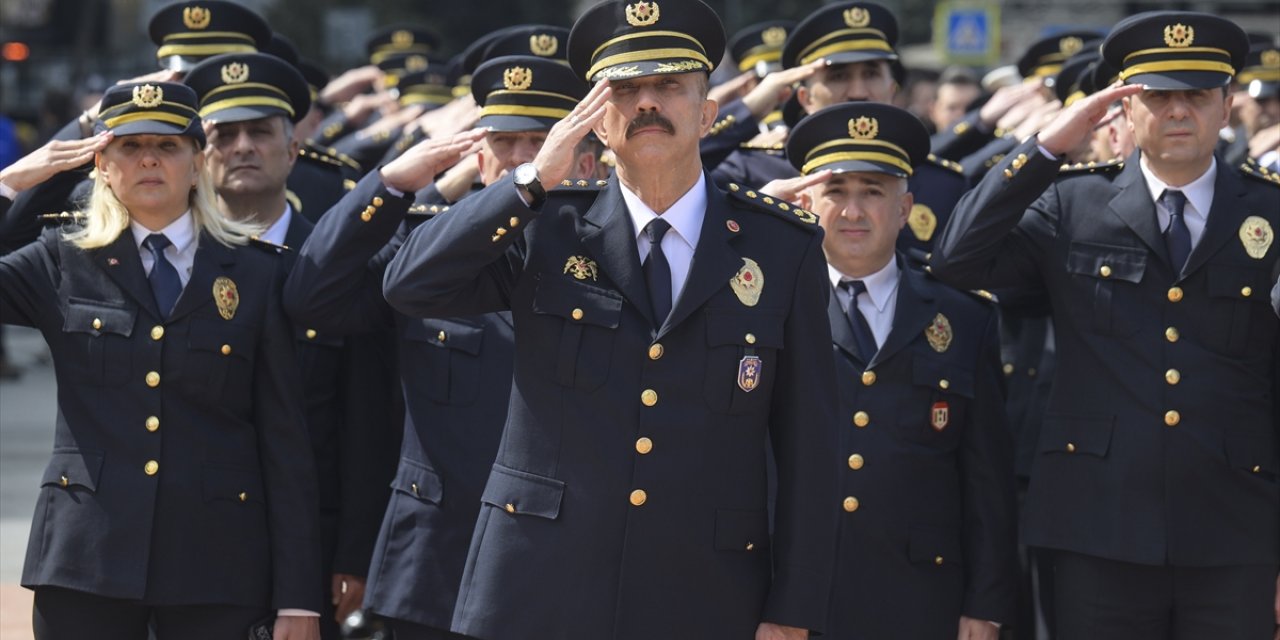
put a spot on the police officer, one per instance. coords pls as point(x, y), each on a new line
point(629, 497)
point(1155, 478)
point(927, 456)
point(176, 495)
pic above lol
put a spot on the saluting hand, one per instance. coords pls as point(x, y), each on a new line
point(54, 157)
point(1075, 123)
point(559, 154)
point(775, 88)
point(792, 189)
point(418, 166)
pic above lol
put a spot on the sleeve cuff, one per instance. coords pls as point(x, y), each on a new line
point(7, 192)
point(301, 613)
point(1045, 152)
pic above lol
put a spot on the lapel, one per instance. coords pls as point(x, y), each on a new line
point(714, 260)
point(212, 260)
point(915, 309)
point(294, 237)
point(841, 332)
point(121, 261)
point(1133, 205)
point(606, 232)
point(1225, 213)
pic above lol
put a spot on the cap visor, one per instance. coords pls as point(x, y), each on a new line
point(1180, 80)
point(1260, 90)
point(243, 113)
point(648, 68)
point(861, 166)
point(515, 123)
point(848, 57)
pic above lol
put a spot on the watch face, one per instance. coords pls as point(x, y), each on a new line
point(526, 174)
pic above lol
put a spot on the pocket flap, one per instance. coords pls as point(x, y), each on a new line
point(742, 530)
point(1234, 282)
point(933, 545)
point(1107, 262)
point(310, 336)
point(1076, 434)
point(744, 329)
point(221, 337)
point(68, 467)
point(1255, 453)
point(232, 483)
point(518, 492)
point(927, 371)
point(577, 302)
point(97, 318)
point(416, 479)
point(450, 334)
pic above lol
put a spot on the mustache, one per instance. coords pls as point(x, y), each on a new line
point(648, 119)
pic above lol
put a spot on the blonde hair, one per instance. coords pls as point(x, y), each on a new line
point(105, 217)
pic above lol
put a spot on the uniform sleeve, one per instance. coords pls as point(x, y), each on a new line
point(335, 285)
point(986, 466)
point(961, 138)
point(1000, 229)
point(288, 466)
point(734, 125)
point(28, 282)
point(457, 264)
point(804, 428)
point(20, 224)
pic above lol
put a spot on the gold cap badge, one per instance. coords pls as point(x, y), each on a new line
point(864, 128)
point(235, 73)
point(857, 17)
point(1070, 45)
point(581, 267)
point(642, 14)
point(923, 222)
point(544, 44)
point(1179, 35)
point(226, 297)
point(1270, 58)
point(748, 283)
point(1256, 236)
point(196, 17)
point(517, 78)
point(774, 36)
point(414, 64)
point(402, 38)
point(939, 334)
point(148, 96)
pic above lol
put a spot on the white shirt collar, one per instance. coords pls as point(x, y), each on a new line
point(882, 285)
point(1199, 192)
point(685, 216)
point(276, 233)
point(180, 232)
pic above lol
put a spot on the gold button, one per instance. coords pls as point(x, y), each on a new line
point(1175, 294)
point(513, 222)
point(851, 504)
point(442, 336)
point(750, 338)
point(1071, 447)
point(65, 481)
point(937, 560)
point(153, 379)
point(733, 187)
point(868, 378)
point(656, 351)
point(649, 397)
point(153, 424)
point(1173, 376)
point(151, 468)
point(243, 496)
point(944, 384)
point(856, 462)
point(1256, 469)
point(97, 324)
point(1105, 271)
point(639, 497)
point(377, 201)
point(413, 486)
point(511, 508)
point(226, 349)
point(861, 419)
point(750, 546)
point(495, 238)
point(1172, 418)
point(1246, 292)
point(1171, 334)
point(644, 446)
point(366, 216)
point(157, 332)
point(501, 231)
point(1008, 369)
point(577, 314)
point(311, 334)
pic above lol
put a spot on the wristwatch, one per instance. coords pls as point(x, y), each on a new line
point(526, 179)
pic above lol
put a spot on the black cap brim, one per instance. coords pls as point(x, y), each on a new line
point(517, 124)
point(863, 166)
point(156, 128)
point(244, 113)
point(1262, 89)
point(850, 57)
point(1180, 80)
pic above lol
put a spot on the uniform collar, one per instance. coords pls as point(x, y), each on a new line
point(1199, 192)
point(275, 234)
point(882, 285)
point(180, 232)
point(685, 216)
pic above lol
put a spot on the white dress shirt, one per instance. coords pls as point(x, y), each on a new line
point(181, 252)
point(685, 218)
point(280, 228)
point(879, 301)
point(1199, 193)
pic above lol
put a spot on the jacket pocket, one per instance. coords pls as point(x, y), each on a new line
point(1252, 453)
point(742, 359)
point(588, 320)
point(234, 484)
point(935, 410)
point(937, 546)
point(73, 468)
point(450, 355)
point(220, 360)
point(1108, 278)
point(418, 481)
point(1241, 301)
point(1076, 435)
point(103, 331)
point(742, 530)
point(520, 493)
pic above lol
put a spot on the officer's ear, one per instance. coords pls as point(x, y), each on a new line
point(1226, 111)
point(905, 203)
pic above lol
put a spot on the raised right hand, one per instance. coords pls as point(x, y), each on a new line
point(54, 157)
point(1075, 123)
point(559, 153)
point(418, 166)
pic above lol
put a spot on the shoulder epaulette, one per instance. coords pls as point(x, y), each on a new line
point(1258, 172)
point(779, 208)
point(427, 209)
point(312, 154)
point(340, 157)
point(348, 184)
point(1114, 164)
point(593, 185)
point(981, 295)
point(775, 149)
point(294, 200)
point(270, 246)
point(723, 124)
point(993, 160)
point(946, 164)
point(63, 217)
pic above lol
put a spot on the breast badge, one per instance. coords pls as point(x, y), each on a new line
point(939, 333)
point(939, 416)
point(581, 268)
point(749, 369)
point(226, 297)
point(922, 221)
point(1256, 236)
point(748, 283)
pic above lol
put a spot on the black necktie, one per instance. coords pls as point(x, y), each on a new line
point(862, 335)
point(657, 271)
point(1177, 238)
point(165, 284)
